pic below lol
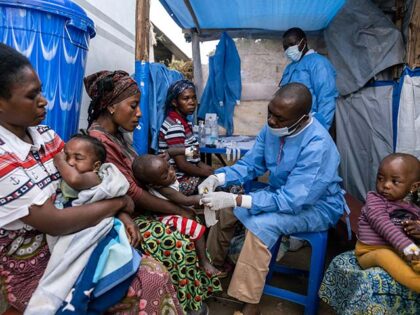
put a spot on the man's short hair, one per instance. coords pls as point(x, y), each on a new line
point(300, 95)
point(295, 31)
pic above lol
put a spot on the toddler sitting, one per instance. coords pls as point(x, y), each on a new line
point(387, 226)
point(159, 176)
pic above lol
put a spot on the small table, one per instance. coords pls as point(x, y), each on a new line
point(244, 143)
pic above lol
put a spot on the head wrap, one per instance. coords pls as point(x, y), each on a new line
point(106, 88)
point(177, 88)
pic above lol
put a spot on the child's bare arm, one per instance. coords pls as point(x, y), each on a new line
point(72, 177)
point(179, 198)
point(176, 151)
point(189, 151)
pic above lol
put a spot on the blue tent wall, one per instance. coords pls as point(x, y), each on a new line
point(160, 79)
point(224, 86)
point(154, 80)
point(141, 133)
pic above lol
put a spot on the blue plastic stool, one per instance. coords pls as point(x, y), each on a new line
point(318, 242)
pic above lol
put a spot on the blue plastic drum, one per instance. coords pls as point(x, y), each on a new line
point(55, 36)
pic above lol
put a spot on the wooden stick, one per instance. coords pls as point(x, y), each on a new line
point(142, 29)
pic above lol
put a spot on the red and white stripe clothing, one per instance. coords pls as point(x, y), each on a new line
point(376, 226)
point(185, 226)
point(27, 173)
point(176, 131)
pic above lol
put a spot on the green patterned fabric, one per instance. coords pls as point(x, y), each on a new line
point(351, 290)
point(177, 253)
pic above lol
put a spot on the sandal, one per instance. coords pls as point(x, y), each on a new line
point(222, 274)
point(225, 270)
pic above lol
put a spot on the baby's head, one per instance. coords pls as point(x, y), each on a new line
point(85, 153)
point(398, 175)
point(153, 170)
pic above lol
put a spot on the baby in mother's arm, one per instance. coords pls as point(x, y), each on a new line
point(87, 178)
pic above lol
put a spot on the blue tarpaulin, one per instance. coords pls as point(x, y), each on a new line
point(274, 15)
point(55, 36)
point(140, 134)
point(154, 80)
point(223, 88)
point(160, 80)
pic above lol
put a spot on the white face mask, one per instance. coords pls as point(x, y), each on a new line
point(278, 132)
point(293, 52)
point(286, 131)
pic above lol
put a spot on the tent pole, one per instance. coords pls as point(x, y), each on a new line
point(142, 29)
point(198, 73)
point(191, 10)
point(141, 134)
point(413, 45)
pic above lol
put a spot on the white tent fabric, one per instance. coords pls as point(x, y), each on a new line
point(408, 134)
point(364, 136)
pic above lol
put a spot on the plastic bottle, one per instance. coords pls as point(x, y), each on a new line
point(196, 132)
point(214, 133)
point(207, 132)
point(201, 131)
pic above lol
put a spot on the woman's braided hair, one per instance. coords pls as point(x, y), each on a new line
point(107, 88)
point(95, 110)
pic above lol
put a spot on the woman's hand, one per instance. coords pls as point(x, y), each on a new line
point(48, 219)
point(131, 229)
point(129, 206)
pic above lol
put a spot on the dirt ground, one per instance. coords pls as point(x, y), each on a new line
point(224, 305)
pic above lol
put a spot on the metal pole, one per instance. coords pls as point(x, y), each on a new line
point(198, 72)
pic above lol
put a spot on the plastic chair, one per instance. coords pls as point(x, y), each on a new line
point(318, 242)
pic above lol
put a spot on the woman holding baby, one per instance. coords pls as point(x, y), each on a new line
point(28, 183)
point(113, 113)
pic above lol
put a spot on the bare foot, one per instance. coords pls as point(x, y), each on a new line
point(208, 267)
point(251, 309)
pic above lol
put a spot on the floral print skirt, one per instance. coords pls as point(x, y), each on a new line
point(177, 253)
point(24, 256)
